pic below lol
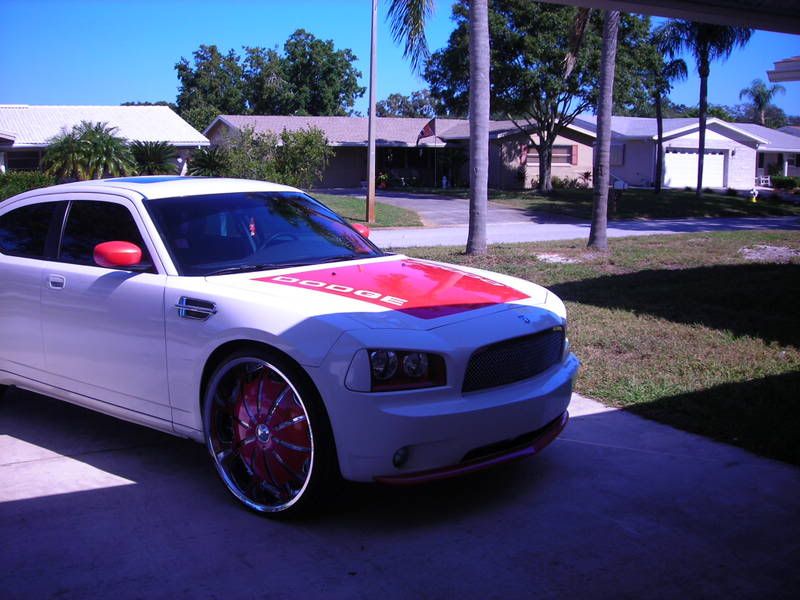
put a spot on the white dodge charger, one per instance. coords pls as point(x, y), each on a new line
point(250, 317)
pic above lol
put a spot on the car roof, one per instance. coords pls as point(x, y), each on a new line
point(158, 186)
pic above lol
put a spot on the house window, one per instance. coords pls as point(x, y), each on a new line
point(617, 155)
point(562, 155)
point(24, 160)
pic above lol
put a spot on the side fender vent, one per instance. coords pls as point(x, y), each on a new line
point(192, 308)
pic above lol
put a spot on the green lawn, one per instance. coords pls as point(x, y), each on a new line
point(386, 215)
point(681, 329)
point(637, 204)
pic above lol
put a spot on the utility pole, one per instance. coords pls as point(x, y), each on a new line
point(373, 123)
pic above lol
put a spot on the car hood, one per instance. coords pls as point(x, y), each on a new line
point(391, 292)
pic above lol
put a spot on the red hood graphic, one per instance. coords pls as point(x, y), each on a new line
point(416, 288)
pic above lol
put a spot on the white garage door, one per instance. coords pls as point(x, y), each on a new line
point(680, 169)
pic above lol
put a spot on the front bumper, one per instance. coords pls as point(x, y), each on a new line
point(530, 445)
point(436, 428)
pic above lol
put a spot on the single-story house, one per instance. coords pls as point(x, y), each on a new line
point(420, 151)
point(737, 155)
point(26, 130)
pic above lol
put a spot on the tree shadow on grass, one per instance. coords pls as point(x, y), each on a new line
point(759, 300)
point(760, 415)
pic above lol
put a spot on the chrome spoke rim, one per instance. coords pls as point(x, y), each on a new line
point(259, 434)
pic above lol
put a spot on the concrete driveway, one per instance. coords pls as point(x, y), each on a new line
point(620, 507)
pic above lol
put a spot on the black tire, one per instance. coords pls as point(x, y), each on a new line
point(268, 433)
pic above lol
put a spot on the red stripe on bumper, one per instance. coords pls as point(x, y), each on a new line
point(546, 436)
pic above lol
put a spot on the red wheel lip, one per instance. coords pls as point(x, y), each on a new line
point(545, 437)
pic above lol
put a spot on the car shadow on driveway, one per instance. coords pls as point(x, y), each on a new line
point(618, 506)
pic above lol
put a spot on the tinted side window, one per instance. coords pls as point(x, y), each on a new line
point(91, 223)
point(23, 231)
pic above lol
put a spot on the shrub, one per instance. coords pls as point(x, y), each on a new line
point(731, 192)
point(252, 155)
point(779, 182)
point(302, 157)
point(154, 158)
point(208, 162)
point(296, 158)
point(16, 182)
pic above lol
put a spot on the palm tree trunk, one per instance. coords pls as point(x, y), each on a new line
point(659, 144)
point(703, 71)
point(478, 124)
point(602, 158)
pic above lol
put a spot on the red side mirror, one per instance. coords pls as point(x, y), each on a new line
point(362, 229)
point(117, 254)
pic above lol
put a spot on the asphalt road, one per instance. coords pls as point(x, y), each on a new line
point(618, 507)
point(509, 232)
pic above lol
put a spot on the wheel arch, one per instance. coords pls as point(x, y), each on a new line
point(221, 352)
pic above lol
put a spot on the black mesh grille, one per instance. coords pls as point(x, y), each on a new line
point(513, 360)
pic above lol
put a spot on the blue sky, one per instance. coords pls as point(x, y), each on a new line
point(111, 51)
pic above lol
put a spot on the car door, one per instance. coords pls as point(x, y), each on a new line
point(103, 328)
point(24, 230)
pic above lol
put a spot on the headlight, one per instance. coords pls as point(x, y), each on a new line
point(384, 370)
point(383, 364)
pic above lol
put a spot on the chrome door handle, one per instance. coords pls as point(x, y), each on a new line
point(56, 282)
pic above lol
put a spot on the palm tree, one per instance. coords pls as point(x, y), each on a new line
point(663, 73)
point(602, 157)
point(209, 162)
point(105, 153)
point(89, 151)
point(154, 158)
point(706, 43)
point(761, 96)
point(408, 19)
point(64, 157)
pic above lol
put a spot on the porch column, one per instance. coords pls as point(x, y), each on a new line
point(2, 162)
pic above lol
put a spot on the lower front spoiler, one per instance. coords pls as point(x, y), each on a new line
point(543, 438)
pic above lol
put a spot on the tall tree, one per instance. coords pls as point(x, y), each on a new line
point(706, 43)
point(761, 96)
point(418, 104)
point(323, 79)
point(479, 62)
point(211, 84)
point(544, 67)
point(312, 77)
point(266, 87)
point(602, 156)
point(408, 19)
point(661, 73)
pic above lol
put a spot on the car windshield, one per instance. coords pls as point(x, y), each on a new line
point(249, 231)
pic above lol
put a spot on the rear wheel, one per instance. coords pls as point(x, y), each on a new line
point(267, 432)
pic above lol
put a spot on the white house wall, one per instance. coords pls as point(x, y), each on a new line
point(637, 168)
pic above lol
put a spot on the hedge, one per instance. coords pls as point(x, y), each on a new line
point(16, 182)
point(779, 182)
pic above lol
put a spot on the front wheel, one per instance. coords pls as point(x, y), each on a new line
point(267, 432)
